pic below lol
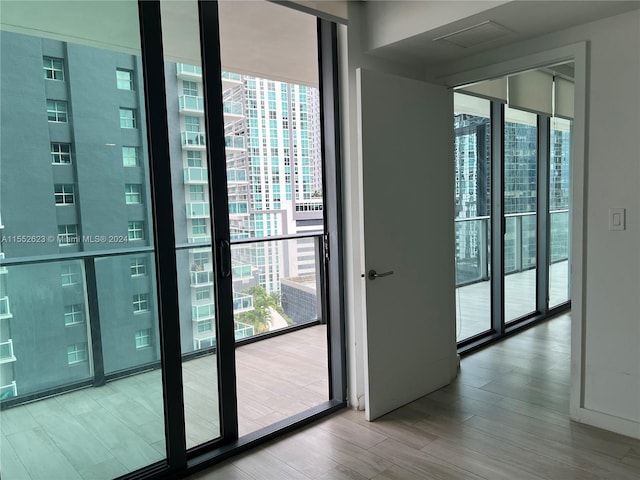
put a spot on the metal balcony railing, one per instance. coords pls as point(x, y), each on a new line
point(520, 241)
point(292, 294)
point(5, 311)
point(234, 141)
point(197, 210)
point(191, 103)
point(199, 279)
point(196, 140)
point(6, 352)
point(196, 175)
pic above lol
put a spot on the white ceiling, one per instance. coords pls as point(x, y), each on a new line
point(257, 37)
point(524, 18)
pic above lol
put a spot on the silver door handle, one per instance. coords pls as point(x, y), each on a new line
point(373, 274)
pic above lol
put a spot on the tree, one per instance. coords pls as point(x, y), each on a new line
point(260, 316)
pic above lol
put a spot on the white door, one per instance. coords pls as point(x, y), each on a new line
point(407, 156)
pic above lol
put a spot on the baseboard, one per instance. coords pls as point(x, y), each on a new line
point(605, 421)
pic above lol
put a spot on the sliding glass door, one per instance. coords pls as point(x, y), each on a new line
point(520, 187)
point(513, 186)
point(167, 291)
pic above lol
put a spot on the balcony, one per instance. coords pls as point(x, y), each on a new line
point(473, 272)
point(3, 269)
point(202, 279)
point(6, 352)
point(8, 391)
point(196, 175)
point(5, 311)
point(191, 104)
point(203, 312)
point(199, 239)
point(233, 111)
point(234, 143)
point(291, 367)
point(236, 175)
point(242, 303)
point(230, 80)
point(188, 72)
point(193, 140)
point(198, 210)
point(241, 271)
point(242, 330)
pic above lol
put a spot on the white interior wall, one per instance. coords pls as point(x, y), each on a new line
point(606, 336)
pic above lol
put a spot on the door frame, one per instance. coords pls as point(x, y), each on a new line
point(577, 53)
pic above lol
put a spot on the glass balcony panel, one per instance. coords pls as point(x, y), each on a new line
point(193, 139)
point(472, 130)
point(196, 175)
point(191, 103)
point(520, 206)
point(198, 210)
point(559, 195)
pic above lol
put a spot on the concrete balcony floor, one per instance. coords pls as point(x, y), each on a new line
point(108, 431)
point(473, 302)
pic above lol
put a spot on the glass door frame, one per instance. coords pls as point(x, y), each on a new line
point(179, 459)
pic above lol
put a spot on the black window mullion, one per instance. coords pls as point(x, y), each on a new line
point(331, 181)
point(497, 217)
point(163, 229)
point(217, 170)
point(542, 218)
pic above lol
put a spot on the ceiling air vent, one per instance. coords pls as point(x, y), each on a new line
point(475, 35)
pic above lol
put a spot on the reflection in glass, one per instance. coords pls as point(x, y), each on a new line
point(520, 207)
point(472, 127)
point(80, 379)
point(559, 197)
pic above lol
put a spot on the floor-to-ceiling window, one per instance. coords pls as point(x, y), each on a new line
point(165, 278)
point(512, 162)
point(472, 125)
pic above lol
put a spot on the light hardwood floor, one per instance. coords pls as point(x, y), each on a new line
point(504, 417)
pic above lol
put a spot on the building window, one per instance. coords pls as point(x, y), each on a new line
point(127, 118)
point(199, 226)
point(57, 111)
point(192, 124)
point(140, 302)
point(124, 79)
point(69, 275)
point(64, 194)
point(143, 338)
point(60, 153)
point(67, 235)
point(138, 267)
point(205, 326)
point(130, 156)
point(196, 193)
point(194, 159)
point(133, 193)
point(135, 230)
point(189, 88)
point(200, 258)
point(73, 314)
point(53, 68)
point(76, 353)
point(203, 293)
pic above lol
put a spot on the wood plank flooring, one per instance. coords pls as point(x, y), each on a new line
point(504, 417)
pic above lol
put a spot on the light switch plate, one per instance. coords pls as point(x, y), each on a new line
point(617, 219)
